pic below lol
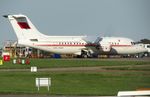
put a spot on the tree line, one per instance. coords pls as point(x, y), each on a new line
point(144, 41)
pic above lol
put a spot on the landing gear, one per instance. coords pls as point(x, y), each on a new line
point(86, 54)
point(140, 55)
point(146, 54)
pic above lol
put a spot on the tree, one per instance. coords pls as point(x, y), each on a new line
point(144, 41)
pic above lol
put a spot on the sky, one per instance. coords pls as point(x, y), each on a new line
point(94, 18)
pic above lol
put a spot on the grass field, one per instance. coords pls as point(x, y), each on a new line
point(57, 63)
point(116, 76)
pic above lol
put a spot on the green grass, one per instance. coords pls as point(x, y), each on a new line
point(56, 63)
point(72, 83)
point(145, 68)
point(76, 83)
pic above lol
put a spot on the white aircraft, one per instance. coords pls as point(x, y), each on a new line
point(29, 36)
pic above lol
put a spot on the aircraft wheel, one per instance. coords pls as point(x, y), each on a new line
point(146, 54)
point(84, 56)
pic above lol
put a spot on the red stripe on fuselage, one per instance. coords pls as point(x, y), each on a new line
point(94, 45)
point(64, 45)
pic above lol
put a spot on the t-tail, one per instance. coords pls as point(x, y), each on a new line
point(23, 27)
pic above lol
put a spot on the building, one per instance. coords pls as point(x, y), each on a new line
point(16, 51)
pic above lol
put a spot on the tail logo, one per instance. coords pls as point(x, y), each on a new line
point(24, 25)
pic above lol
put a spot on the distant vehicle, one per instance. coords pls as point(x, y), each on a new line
point(29, 36)
point(146, 46)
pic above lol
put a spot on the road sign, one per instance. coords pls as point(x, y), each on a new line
point(43, 82)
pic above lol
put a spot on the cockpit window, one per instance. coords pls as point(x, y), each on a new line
point(133, 43)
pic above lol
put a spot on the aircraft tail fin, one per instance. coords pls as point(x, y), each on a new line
point(23, 27)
